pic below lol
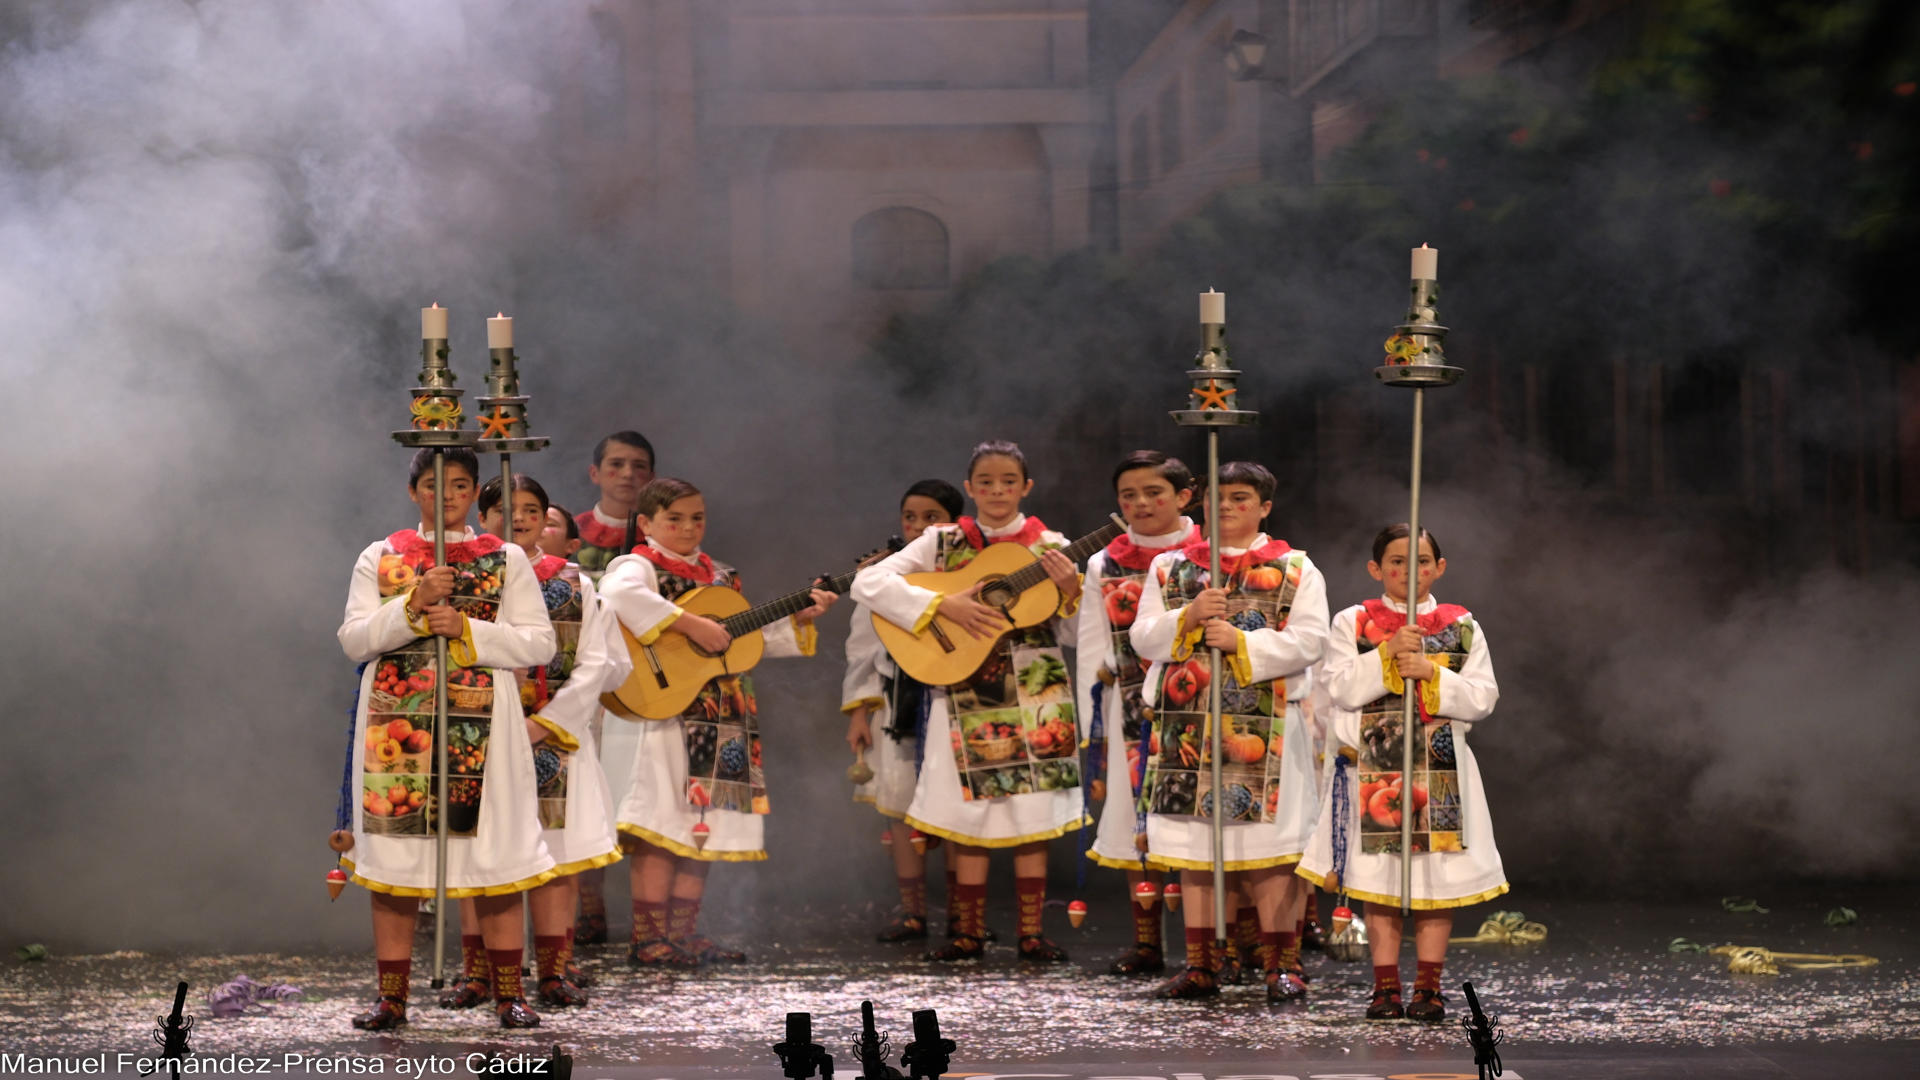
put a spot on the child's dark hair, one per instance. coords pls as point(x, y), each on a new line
point(1171, 469)
point(566, 516)
point(624, 438)
point(662, 492)
point(1399, 532)
point(1252, 474)
point(997, 448)
point(457, 456)
point(490, 493)
point(939, 491)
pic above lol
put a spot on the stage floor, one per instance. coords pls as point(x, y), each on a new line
point(1602, 997)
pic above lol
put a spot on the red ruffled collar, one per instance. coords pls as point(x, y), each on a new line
point(701, 572)
point(1027, 536)
point(546, 566)
point(1389, 618)
point(598, 534)
point(417, 550)
point(1197, 551)
point(1124, 552)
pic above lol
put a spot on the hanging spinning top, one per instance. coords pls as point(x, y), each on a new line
point(336, 881)
point(1077, 913)
point(1172, 895)
point(1146, 895)
point(700, 834)
point(1342, 915)
point(919, 841)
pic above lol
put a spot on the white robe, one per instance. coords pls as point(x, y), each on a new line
point(938, 808)
point(1186, 843)
point(656, 808)
point(600, 664)
point(895, 770)
point(505, 854)
point(1441, 879)
point(1113, 844)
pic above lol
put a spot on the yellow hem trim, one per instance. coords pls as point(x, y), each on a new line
point(1239, 661)
point(660, 627)
point(960, 838)
point(1116, 864)
point(1167, 863)
point(868, 800)
point(557, 734)
point(1068, 607)
point(452, 894)
point(460, 650)
point(1419, 904)
point(926, 617)
point(863, 703)
point(581, 865)
point(805, 636)
point(688, 851)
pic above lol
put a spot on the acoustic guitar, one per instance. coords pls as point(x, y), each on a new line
point(1012, 580)
point(668, 674)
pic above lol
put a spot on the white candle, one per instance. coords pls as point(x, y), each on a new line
point(1426, 263)
point(433, 322)
point(1213, 307)
point(500, 332)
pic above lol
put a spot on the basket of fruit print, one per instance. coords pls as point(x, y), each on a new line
point(995, 749)
point(470, 688)
point(993, 736)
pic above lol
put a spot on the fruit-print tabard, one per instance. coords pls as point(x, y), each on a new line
point(493, 820)
point(705, 764)
point(602, 540)
point(873, 681)
point(576, 807)
point(1277, 601)
point(1116, 577)
point(1455, 861)
point(1000, 766)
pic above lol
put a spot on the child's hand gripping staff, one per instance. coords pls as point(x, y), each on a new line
point(1409, 656)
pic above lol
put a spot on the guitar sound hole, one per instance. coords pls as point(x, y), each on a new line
point(996, 594)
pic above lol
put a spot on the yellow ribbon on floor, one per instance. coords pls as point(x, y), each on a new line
point(1505, 928)
point(1754, 960)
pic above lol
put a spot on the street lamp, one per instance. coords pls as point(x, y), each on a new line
point(1246, 52)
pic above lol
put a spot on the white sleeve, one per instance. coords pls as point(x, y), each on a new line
point(862, 683)
point(883, 590)
point(372, 628)
point(1154, 627)
point(1093, 648)
point(1470, 693)
point(1277, 654)
point(787, 638)
point(600, 663)
point(522, 635)
point(1354, 679)
point(632, 591)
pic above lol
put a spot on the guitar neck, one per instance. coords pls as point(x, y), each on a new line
point(755, 618)
point(1077, 552)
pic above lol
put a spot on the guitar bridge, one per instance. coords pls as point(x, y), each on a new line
point(939, 635)
point(659, 675)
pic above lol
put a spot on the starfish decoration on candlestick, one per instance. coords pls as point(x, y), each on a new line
point(498, 425)
point(1213, 397)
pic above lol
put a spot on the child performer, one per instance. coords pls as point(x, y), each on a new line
point(1269, 620)
point(1152, 489)
point(487, 605)
point(875, 693)
point(1019, 786)
point(561, 536)
point(703, 769)
point(575, 811)
point(622, 465)
point(1372, 653)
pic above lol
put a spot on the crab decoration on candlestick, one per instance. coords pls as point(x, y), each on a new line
point(1414, 354)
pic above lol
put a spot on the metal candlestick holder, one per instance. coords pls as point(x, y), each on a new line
point(1211, 405)
point(436, 426)
point(503, 426)
point(1415, 361)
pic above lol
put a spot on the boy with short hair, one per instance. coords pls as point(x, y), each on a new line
point(1152, 489)
point(488, 606)
point(1268, 618)
point(622, 465)
point(561, 536)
